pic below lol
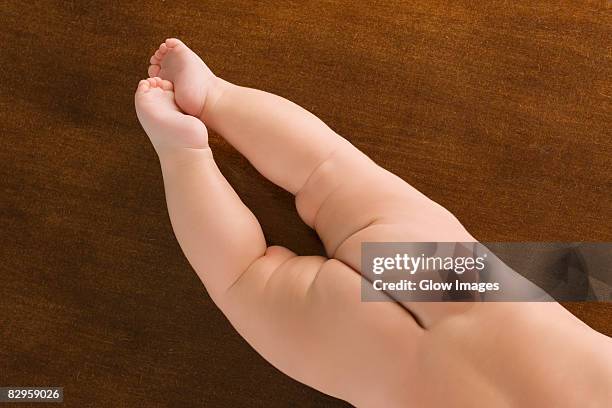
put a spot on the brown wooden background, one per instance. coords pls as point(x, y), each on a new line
point(499, 111)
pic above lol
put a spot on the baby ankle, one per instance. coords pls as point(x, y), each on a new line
point(172, 159)
point(214, 93)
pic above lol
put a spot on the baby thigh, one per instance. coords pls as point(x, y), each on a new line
point(349, 197)
point(305, 316)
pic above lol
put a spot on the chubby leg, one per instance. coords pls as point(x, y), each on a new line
point(304, 314)
point(196, 191)
point(339, 191)
point(284, 305)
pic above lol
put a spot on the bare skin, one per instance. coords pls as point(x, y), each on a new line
point(304, 314)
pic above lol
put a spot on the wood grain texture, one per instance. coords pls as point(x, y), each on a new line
point(500, 111)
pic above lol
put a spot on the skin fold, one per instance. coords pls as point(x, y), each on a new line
point(304, 313)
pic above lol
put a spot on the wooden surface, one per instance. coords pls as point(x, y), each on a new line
point(501, 112)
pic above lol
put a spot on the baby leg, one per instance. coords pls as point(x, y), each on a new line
point(339, 191)
point(215, 229)
point(304, 314)
point(284, 305)
point(348, 199)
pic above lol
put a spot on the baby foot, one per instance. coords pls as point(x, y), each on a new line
point(192, 79)
point(165, 124)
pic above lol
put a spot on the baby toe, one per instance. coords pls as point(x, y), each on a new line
point(154, 70)
point(158, 81)
point(165, 85)
point(172, 42)
point(143, 86)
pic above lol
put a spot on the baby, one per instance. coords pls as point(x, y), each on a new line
point(303, 313)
